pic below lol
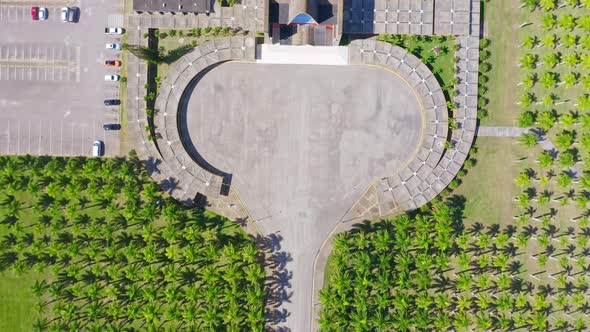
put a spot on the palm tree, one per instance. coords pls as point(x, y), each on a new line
point(530, 41)
point(483, 321)
point(564, 180)
point(528, 139)
point(527, 99)
point(571, 79)
point(401, 321)
point(530, 4)
point(566, 22)
point(549, 41)
point(548, 4)
point(567, 158)
point(551, 59)
point(548, 21)
point(584, 102)
point(569, 40)
point(529, 80)
point(528, 61)
point(462, 321)
point(39, 287)
point(584, 23)
point(442, 321)
point(545, 159)
point(549, 80)
point(538, 321)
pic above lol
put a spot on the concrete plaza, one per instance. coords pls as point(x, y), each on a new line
point(302, 143)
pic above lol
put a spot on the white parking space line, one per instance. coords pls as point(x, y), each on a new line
point(40, 131)
point(18, 137)
point(61, 138)
point(29, 139)
point(4, 136)
point(8, 138)
point(50, 138)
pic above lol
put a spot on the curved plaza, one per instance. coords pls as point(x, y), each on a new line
point(302, 152)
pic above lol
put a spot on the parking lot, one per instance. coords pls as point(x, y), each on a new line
point(52, 84)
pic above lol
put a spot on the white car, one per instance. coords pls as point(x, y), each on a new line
point(43, 12)
point(64, 14)
point(97, 149)
point(112, 78)
point(113, 31)
point(113, 47)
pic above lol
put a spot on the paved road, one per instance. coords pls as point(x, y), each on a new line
point(303, 143)
point(52, 78)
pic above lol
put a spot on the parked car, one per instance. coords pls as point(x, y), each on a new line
point(113, 47)
point(43, 13)
point(97, 149)
point(113, 31)
point(113, 78)
point(35, 13)
point(72, 14)
point(64, 14)
point(112, 102)
point(112, 63)
point(111, 126)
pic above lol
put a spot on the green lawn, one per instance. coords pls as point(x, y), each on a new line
point(488, 186)
point(425, 48)
point(17, 302)
point(502, 19)
point(179, 42)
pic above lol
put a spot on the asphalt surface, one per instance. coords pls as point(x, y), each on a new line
point(303, 143)
point(52, 78)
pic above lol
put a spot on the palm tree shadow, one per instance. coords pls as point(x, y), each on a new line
point(278, 281)
point(177, 53)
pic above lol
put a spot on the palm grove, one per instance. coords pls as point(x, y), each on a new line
point(115, 254)
point(426, 272)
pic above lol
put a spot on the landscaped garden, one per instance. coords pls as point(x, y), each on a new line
point(507, 265)
point(92, 244)
point(437, 52)
point(427, 272)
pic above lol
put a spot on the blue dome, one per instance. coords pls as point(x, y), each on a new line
point(303, 18)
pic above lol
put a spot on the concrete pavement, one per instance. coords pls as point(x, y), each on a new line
point(303, 150)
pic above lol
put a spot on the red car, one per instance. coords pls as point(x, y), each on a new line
point(35, 13)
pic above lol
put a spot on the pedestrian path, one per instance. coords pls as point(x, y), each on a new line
point(485, 131)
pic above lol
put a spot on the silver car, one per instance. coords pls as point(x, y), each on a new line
point(97, 149)
point(64, 14)
point(43, 13)
point(112, 78)
point(116, 47)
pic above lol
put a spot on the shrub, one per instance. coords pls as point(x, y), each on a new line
point(485, 67)
point(483, 79)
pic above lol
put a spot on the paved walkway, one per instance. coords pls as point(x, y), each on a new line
point(484, 131)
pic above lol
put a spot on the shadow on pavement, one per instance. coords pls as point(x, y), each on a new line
point(278, 281)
